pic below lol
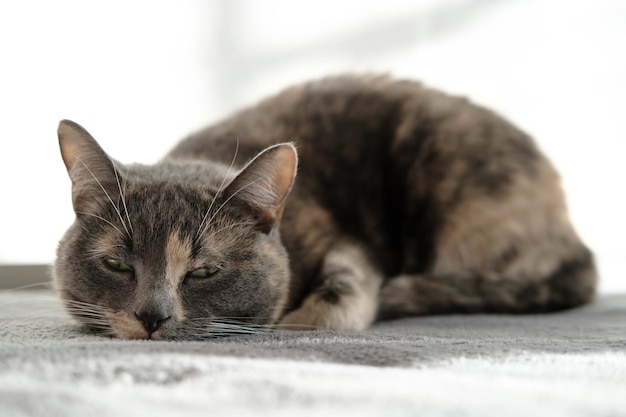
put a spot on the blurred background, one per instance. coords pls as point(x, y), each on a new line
point(142, 74)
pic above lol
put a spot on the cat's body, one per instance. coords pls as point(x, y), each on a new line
point(407, 201)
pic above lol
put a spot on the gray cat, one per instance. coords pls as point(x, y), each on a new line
point(408, 201)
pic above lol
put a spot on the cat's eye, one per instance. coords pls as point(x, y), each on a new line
point(203, 272)
point(117, 265)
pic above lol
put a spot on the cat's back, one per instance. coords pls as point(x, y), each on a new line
point(315, 114)
point(357, 134)
point(349, 120)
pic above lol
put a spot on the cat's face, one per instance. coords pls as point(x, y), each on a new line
point(180, 250)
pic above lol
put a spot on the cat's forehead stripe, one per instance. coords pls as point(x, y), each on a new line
point(178, 252)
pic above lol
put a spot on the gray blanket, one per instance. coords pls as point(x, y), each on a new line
point(571, 363)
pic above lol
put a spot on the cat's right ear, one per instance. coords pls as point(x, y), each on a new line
point(93, 174)
point(264, 183)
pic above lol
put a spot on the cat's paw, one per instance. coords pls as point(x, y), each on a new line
point(348, 313)
point(301, 319)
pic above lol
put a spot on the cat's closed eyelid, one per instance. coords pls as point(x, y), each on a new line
point(205, 272)
point(118, 265)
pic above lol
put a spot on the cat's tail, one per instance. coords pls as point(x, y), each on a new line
point(572, 283)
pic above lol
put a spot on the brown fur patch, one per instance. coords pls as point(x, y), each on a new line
point(532, 214)
point(178, 254)
point(126, 327)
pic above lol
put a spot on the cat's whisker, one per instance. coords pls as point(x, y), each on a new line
point(78, 306)
point(44, 284)
point(233, 328)
point(230, 226)
point(208, 321)
point(92, 257)
point(66, 300)
point(82, 311)
point(101, 252)
point(275, 326)
point(101, 218)
point(223, 326)
point(220, 320)
point(219, 189)
point(90, 315)
point(37, 315)
point(212, 327)
point(122, 197)
point(232, 323)
point(294, 326)
point(82, 307)
point(202, 334)
point(97, 325)
point(228, 199)
point(35, 297)
point(38, 311)
point(86, 312)
point(240, 319)
point(107, 195)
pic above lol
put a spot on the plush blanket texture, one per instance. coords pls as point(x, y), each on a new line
point(571, 363)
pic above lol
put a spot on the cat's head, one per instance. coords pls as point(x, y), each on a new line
point(178, 250)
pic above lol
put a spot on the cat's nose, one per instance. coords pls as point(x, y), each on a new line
point(151, 320)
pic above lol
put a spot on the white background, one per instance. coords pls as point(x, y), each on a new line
point(139, 75)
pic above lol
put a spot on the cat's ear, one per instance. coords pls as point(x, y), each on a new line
point(93, 174)
point(264, 183)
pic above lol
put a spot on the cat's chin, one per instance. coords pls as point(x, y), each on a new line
point(140, 335)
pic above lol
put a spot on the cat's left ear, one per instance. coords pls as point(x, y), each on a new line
point(264, 183)
point(95, 178)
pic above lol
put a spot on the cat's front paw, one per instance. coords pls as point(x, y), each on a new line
point(318, 313)
point(300, 320)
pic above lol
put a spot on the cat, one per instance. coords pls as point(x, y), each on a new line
point(407, 201)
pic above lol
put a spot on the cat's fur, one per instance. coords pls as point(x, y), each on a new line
point(407, 201)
